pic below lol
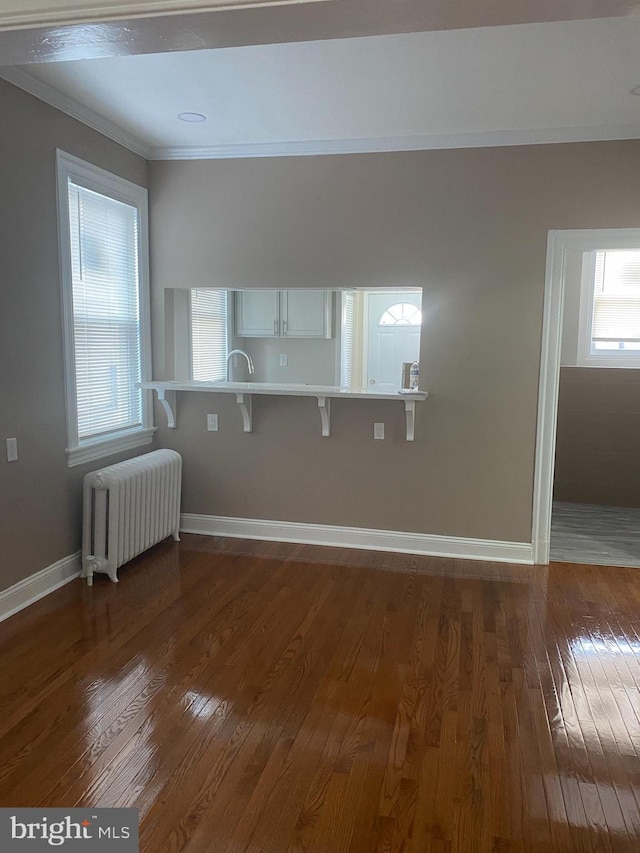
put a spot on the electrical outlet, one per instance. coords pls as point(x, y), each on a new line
point(212, 423)
point(284, 359)
point(378, 430)
point(12, 450)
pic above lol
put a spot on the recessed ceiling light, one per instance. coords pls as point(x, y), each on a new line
point(192, 117)
point(635, 90)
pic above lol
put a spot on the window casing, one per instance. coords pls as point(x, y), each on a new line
point(103, 236)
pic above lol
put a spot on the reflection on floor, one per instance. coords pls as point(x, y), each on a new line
point(264, 697)
point(601, 535)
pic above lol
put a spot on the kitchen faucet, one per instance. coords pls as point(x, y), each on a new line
point(239, 352)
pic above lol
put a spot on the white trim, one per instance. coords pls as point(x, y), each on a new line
point(99, 449)
point(310, 147)
point(584, 239)
point(548, 398)
point(358, 537)
point(585, 308)
point(55, 98)
point(93, 178)
point(559, 242)
point(72, 11)
point(418, 142)
point(36, 586)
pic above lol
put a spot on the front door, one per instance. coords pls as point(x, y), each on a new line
point(393, 337)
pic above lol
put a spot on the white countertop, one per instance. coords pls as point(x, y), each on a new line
point(283, 389)
point(244, 392)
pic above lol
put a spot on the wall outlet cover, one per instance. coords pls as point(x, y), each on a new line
point(12, 450)
point(212, 423)
point(378, 430)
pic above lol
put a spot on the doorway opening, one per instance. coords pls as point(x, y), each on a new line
point(587, 474)
point(380, 333)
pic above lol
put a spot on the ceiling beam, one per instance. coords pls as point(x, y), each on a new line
point(285, 22)
point(20, 14)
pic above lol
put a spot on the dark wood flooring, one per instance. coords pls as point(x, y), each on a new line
point(268, 697)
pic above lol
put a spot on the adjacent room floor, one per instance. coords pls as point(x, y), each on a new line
point(266, 697)
point(602, 535)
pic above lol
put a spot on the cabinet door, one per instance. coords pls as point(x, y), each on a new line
point(306, 313)
point(257, 314)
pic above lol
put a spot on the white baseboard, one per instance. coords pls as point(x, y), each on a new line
point(31, 589)
point(35, 587)
point(359, 537)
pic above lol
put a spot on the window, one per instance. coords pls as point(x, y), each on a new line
point(610, 309)
point(401, 314)
point(103, 259)
point(209, 337)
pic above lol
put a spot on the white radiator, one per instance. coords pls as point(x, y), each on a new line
point(127, 508)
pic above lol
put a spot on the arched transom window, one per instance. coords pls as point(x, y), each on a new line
point(401, 314)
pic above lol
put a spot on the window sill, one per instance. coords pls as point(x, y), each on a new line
point(627, 361)
point(93, 450)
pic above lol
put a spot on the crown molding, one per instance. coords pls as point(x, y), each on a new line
point(76, 11)
point(313, 147)
point(76, 110)
point(421, 142)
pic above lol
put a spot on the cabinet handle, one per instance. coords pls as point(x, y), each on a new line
point(275, 328)
point(284, 327)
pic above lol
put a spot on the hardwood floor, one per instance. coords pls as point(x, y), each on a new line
point(268, 697)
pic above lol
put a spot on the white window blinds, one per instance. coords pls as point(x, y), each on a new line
point(106, 312)
point(616, 301)
point(208, 334)
point(346, 361)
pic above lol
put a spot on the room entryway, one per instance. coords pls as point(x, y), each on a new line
point(587, 491)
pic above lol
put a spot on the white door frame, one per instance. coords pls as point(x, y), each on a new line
point(557, 245)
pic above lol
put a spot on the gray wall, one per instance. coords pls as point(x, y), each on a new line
point(571, 308)
point(40, 497)
point(310, 361)
point(597, 447)
point(470, 226)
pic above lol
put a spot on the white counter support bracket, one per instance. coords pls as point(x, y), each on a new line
point(167, 400)
point(410, 417)
point(166, 392)
point(324, 404)
point(244, 401)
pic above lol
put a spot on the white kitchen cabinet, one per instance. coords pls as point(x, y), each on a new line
point(283, 314)
point(305, 313)
point(257, 313)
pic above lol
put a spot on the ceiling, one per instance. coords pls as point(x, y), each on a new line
point(515, 84)
point(204, 24)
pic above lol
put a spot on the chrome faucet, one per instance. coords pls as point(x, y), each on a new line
point(239, 352)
